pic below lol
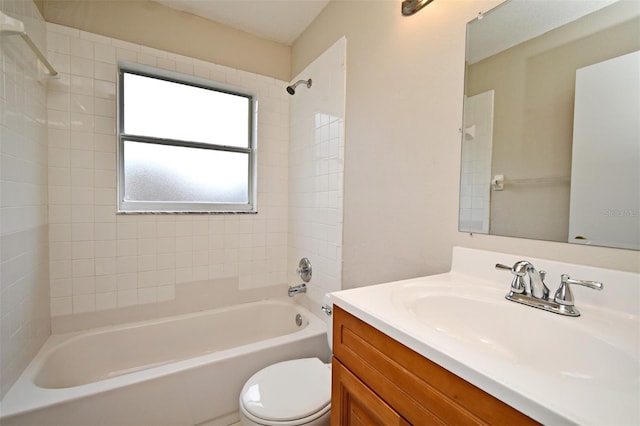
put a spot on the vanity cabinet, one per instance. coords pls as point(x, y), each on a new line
point(377, 380)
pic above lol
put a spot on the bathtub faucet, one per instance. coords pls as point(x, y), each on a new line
point(300, 288)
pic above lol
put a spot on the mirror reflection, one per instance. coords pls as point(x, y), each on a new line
point(551, 135)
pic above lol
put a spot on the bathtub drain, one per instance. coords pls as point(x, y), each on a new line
point(298, 320)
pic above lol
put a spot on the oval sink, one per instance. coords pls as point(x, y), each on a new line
point(573, 354)
point(563, 348)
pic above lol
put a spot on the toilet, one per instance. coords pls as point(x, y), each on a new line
point(289, 393)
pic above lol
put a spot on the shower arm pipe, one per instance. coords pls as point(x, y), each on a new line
point(292, 89)
point(305, 82)
point(11, 26)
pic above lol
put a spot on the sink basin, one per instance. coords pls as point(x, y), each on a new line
point(556, 369)
point(564, 349)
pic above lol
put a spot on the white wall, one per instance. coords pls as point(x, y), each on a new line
point(316, 170)
point(108, 268)
point(402, 145)
point(148, 23)
point(24, 290)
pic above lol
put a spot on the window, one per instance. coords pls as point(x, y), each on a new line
point(185, 144)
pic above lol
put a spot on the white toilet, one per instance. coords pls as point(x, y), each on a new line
point(295, 392)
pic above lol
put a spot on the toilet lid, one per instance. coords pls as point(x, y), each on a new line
point(288, 390)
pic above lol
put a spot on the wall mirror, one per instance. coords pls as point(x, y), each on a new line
point(551, 134)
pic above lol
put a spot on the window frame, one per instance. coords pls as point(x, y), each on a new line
point(125, 206)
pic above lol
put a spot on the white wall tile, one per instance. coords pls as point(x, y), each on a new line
point(61, 306)
point(315, 173)
point(25, 302)
point(61, 288)
point(81, 66)
point(81, 85)
point(83, 285)
point(138, 259)
point(106, 283)
point(104, 53)
point(105, 301)
point(127, 297)
point(80, 48)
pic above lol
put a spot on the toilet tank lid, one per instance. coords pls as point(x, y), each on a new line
point(288, 390)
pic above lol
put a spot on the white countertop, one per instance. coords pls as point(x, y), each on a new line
point(540, 363)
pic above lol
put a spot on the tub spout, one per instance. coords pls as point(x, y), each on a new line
point(300, 288)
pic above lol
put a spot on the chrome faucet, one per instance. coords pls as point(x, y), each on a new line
point(532, 291)
point(535, 285)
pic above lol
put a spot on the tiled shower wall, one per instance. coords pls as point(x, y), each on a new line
point(107, 267)
point(24, 289)
point(316, 162)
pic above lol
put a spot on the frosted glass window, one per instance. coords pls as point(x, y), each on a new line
point(185, 144)
point(185, 174)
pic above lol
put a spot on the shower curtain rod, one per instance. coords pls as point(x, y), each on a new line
point(12, 26)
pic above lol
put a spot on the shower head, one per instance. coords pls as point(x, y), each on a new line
point(292, 89)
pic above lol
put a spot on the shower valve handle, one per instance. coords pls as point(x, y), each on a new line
point(304, 269)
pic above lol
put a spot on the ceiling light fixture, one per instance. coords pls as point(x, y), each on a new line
point(409, 7)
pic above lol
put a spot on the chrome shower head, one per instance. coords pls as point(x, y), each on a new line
point(292, 89)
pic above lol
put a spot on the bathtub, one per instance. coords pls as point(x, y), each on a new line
point(182, 370)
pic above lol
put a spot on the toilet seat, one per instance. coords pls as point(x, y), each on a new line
point(289, 392)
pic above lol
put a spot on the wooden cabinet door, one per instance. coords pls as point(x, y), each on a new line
point(354, 404)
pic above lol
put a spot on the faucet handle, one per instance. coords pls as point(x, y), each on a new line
point(501, 266)
point(564, 296)
point(519, 268)
point(304, 269)
point(517, 284)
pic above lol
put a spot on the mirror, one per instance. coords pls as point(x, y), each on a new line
point(551, 135)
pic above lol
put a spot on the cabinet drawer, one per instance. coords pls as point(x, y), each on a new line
point(419, 390)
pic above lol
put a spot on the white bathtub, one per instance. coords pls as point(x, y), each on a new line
point(182, 370)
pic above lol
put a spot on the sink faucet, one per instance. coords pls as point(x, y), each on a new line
point(536, 286)
point(534, 292)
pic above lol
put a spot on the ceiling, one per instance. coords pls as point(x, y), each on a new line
point(277, 20)
point(511, 23)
